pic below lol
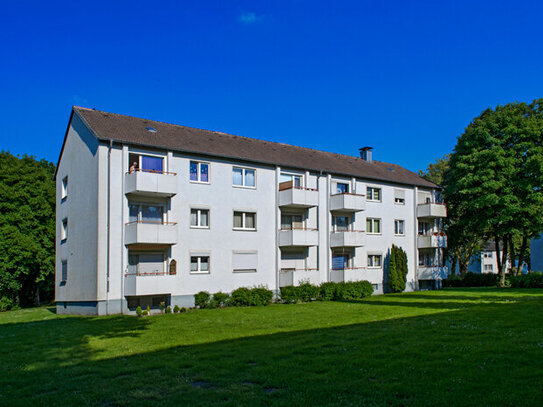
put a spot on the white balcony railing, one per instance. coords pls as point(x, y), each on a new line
point(297, 197)
point(348, 238)
point(433, 241)
point(142, 232)
point(432, 272)
point(298, 237)
point(150, 183)
point(432, 210)
point(148, 284)
point(347, 202)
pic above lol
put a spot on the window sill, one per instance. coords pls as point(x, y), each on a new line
point(200, 182)
point(244, 230)
point(243, 187)
point(200, 227)
point(199, 272)
point(374, 234)
point(373, 200)
point(399, 235)
point(375, 267)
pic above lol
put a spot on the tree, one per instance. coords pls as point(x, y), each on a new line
point(494, 184)
point(27, 230)
point(435, 171)
point(397, 270)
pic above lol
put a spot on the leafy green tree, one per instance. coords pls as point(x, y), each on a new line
point(494, 184)
point(435, 171)
point(27, 230)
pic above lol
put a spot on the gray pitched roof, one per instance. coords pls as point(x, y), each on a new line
point(132, 130)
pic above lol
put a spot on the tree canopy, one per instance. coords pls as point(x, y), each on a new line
point(27, 230)
point(494, 183)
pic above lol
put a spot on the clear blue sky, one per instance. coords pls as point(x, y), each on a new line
point(405, 77)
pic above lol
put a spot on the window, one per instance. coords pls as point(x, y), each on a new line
point(146, 263)
point(64, 271)
point(375, 287)
point(243, 177)
point(245, 220)
point(291, 221)
point(64, 191)
point(373, 226)
point(296, 179)
point(152, 213)
point(424, 228)
point(399, 197)
point(244, 262)
point(374, 260)
point(373, 194)
point(426, 258)
point(199, 172)
point(341, 223)
point(199, 218)
point(199, 264)
point(145, 163)
point(488, 267)
point(399, 227)
point(487, 255)
point(342, 188)
point(64, 230)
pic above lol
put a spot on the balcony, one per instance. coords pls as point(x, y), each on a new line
point(347, 202)
point(297, 197)
point(432, 272)
point(431, 210)
point(434, 241)
point(148, 284)
point(150, 183)
point(298, 237)
point(150, 233)
point(347, 238)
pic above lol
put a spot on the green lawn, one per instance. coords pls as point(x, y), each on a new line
point(457, 347)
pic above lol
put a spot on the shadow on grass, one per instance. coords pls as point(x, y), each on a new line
point(482, 354)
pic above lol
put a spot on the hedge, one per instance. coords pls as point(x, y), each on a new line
point(532, 280)
point(344, 291)
point(472, 280)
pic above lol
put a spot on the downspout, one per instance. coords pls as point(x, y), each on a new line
point(277, 249)
point(108, 221)
point(122, 230)
point(416, 233)
point(328, 220)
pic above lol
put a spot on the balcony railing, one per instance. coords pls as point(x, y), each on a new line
point(347, 238)
point(347, 202)
point(432, 241)
point(297, 197)
point(298, 237)
point(150, 232)
point(425, 272)
point(149, 283)
point(432, 210)
point(150, 183)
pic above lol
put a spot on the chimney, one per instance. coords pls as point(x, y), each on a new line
point(365, 153)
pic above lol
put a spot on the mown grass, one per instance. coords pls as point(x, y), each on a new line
point(456, 347)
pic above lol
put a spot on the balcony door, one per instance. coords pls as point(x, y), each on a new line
point(146, 163)
point(341, 223)
point(151, 263)
point(291, 221)
point(142, 212)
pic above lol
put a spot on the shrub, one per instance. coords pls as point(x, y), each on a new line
point(201, 299)
point(290, 294)
point(6, 304)
point(176, 309)
point(241, 296)
point(148, 310)
point(397, 269)
point(472, 280)
point(327, 291)
point(261, 296)
point(183, 309)
point(145, 313)
point(168, 310)
point(308, 292)
point(139, 312)
point(162, 306)
point(353, 290)
point(221, 299)
point(531, 280)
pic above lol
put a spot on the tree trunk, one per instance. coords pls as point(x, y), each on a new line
point(453, 266)
point(522, 253)
point(463, 266)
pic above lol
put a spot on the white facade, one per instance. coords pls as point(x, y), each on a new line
point(141, 237)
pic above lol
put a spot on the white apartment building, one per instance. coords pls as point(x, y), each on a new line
point(150, 212)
